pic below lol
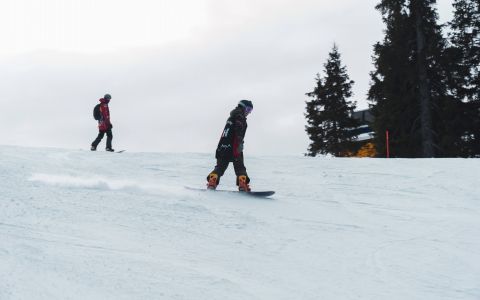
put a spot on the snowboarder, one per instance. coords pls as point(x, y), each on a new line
point(230, 148)
point(102, 114)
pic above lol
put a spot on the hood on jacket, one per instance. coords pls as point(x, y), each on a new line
point(238, 111)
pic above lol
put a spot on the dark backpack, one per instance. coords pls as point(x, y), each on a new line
point(97, 115)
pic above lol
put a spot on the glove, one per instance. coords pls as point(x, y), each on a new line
point(110, 126)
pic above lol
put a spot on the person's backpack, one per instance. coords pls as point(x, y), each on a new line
point(97, 115)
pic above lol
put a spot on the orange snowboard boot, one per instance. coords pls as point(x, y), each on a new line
point(212, 181)
point(242, 184)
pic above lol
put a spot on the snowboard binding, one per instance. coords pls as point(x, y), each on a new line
point(243, 183)
point(212, 181)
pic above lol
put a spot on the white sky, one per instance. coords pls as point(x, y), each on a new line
point(175, 68)
point(95, 26)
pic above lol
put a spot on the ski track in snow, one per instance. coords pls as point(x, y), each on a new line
point(76, 224)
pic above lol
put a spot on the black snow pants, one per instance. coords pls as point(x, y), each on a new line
point(238, 165)
point(100, 136)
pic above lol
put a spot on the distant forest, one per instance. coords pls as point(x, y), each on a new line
point(425, 88)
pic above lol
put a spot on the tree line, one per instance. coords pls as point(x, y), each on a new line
point(424, 90)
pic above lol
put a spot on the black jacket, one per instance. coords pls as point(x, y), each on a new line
point(230, 145)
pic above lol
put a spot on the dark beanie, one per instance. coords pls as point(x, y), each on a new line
point(245, 103)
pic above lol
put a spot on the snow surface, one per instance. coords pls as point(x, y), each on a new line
point(76, 224)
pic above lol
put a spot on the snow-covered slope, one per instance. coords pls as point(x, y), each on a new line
point(81, 225)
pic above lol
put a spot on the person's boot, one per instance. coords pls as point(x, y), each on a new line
point(212, 181)
point(93, 148)
point(109, 150)
point(242, 184)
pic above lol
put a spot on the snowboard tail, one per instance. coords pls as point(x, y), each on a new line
point(257, 193)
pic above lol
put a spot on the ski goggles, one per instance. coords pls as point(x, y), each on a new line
point(248, 110)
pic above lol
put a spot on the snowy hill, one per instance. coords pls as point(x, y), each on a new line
point(81, 225)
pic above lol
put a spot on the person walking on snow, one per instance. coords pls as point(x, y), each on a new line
point(230, 148)
point(104, 124)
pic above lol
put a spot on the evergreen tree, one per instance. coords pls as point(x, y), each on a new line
point(329, 113)
point(408, 92)
point(465, 39)
point(392, 90)
point(464, 55)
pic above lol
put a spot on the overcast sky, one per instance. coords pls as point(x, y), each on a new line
point(175, 68)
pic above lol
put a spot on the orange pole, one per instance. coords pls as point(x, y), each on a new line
point(388, 145)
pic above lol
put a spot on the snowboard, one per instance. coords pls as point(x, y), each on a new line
point(260, 194)
point(119, 151)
